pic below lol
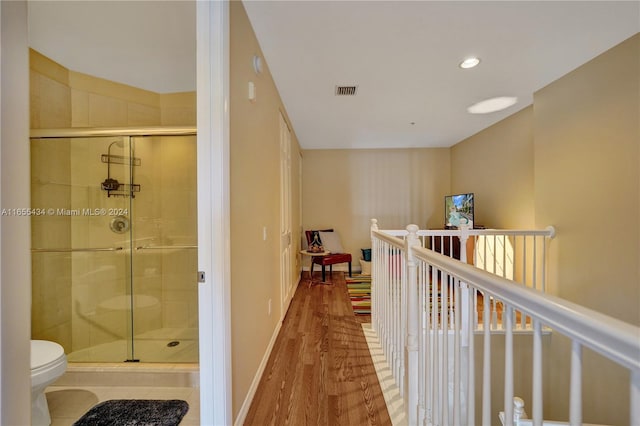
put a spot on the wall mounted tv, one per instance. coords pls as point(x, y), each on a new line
point(458, 210)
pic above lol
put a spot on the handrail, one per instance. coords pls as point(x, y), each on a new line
point(396, 242)
point(71, 250)
point(593, 329)
point(547, 232)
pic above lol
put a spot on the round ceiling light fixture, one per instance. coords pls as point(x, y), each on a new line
point(492, 105)
point(469, 62)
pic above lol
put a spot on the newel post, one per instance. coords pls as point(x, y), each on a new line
point(411, 350)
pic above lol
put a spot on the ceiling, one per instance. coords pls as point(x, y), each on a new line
point(403, 56)
point(145, 44)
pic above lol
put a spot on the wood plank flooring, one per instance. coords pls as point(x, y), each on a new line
point(320, 371)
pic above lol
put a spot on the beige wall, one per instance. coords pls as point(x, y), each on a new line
point(480, 164)
point(255, 204)
point(15, 293)
point(576, 165)
point(62, 98)
point(345, 189)
point(586, 180)
point(587, 184)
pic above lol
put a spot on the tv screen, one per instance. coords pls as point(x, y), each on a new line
point(458, 210)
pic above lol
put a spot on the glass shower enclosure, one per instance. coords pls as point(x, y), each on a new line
point(114, 243)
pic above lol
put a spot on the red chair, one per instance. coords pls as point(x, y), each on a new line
point(330, 259)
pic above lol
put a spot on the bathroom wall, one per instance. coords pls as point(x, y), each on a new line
point(50, 107)
point(67, 174)
point(15, 294)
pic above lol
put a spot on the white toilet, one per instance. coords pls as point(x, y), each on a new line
point(48, 363)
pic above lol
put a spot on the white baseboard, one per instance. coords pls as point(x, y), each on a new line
point(242, 414)
point(244, 410)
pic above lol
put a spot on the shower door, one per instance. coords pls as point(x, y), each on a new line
point(165, 256)
point(81, 245)
point(114, 247)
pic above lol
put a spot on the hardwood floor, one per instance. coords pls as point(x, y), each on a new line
point(320, 371)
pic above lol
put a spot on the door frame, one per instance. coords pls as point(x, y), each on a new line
point(214, 251)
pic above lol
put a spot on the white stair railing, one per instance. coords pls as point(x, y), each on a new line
point(423, 314)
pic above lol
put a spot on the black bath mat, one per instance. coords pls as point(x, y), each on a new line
point(135, 412)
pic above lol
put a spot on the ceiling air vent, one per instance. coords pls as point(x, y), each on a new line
point(346, 90)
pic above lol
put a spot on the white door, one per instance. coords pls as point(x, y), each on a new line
point(286, 292)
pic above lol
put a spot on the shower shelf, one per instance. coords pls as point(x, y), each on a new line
point(112, 186)
point(124, 190)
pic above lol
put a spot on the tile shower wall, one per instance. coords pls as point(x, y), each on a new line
point(74, 292)
point(165, 215)
point(51, 276)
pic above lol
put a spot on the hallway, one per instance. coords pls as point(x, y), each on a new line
point(320, 371)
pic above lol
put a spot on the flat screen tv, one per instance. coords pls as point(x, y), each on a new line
point(458, 210)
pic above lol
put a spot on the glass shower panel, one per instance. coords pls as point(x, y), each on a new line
point(81, 244)
point(164, 262)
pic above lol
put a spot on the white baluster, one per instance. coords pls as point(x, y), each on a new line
point(445, 349)
point(537, 374)
point(494, 255)
point(504, 256)
point(423, 314)
point(635, 398)
point(471, 377)
point(411, 354)
point(433, 349)
point(464, 306)
point(456, 353)
point(535, 262)
point(507, 318)
point(486, 361)
point(575, 398)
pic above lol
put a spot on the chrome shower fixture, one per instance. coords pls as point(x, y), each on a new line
point(119, 224)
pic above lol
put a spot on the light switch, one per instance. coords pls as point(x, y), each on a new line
point(252, 91)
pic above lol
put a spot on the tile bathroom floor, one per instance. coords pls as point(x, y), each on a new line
point(68, 403)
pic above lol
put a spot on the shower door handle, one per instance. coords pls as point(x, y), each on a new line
point(71, 250)
point(165, 247)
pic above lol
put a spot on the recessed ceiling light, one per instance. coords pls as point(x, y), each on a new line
point(470, 62)
point(492, 105)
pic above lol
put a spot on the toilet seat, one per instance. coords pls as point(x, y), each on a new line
point(45, 354)
point(48, 364)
